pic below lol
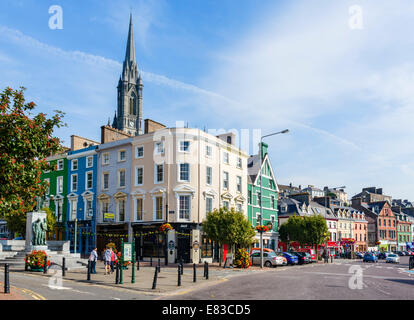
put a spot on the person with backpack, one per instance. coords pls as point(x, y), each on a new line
point(107, 260)
point(93, 257)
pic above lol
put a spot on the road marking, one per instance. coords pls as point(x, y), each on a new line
point(365, 275)
point(56, 287)
point(33, 294)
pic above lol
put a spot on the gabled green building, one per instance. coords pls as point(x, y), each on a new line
point(56, 196)
point(269, 195)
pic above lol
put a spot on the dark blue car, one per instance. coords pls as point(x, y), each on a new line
point(291, 259)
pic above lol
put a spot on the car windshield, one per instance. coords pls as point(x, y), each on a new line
point(392, 255)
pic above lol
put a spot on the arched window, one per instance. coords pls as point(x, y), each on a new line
point(133, 105)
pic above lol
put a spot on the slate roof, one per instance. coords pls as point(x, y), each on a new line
point(380, 205)
point(253, 167)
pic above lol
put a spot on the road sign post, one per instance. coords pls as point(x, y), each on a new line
point(121, 262)
point(133, 262)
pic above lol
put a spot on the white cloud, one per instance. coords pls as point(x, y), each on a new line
point(302, 66)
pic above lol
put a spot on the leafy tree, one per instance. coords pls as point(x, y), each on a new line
point(50, 219)
point(305, 230)
point(228, 227)
point(293, 230)
point(316, 229)
point(26, 141)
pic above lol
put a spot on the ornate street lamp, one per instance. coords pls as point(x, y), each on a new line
point(261, 195)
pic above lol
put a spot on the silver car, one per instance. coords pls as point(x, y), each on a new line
point(392, 258)
point(270, 259)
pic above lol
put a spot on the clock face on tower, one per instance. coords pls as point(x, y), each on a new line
point(131, 123)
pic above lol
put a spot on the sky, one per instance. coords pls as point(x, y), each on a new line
point(338, 74)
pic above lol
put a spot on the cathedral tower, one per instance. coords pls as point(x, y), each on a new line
point(129, 112)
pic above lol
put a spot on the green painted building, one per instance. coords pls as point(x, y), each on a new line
point(268, 197)
point(56, 196)
point(403, 231)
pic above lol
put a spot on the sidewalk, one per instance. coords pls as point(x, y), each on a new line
point(167, 279)
point(15, 293)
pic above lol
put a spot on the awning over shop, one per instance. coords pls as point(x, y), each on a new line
point(331, 244)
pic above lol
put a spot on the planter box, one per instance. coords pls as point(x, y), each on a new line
point(36, 269)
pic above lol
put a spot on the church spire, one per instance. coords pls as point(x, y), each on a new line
point(129, 116)
point(129, 61)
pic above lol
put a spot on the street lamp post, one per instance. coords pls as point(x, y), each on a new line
point(261, 196)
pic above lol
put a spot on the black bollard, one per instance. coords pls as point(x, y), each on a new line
point(26, 265)
point(63, 266)
point(179, 275)
point(207, 271)
point(194, 273)
point(151, 261)
point(154, 283)
point(117, 274)
point(6, 279)
point(137, 264)
point(182, 266)
point(204, 275)
point(159, 265)
point(45, 266)
point(89, 271)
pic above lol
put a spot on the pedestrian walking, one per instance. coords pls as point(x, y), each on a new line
point(93, 257)
point(107, 260)
point(113, 259)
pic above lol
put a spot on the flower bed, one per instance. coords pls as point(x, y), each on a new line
point(36, 260)
point(242, 259)
point(125, 264)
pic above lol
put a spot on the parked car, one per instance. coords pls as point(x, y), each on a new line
point(309, 257)
point(270, 259)
point(401, 253)
point(302, 258)
point(370, 257)
point(311, 252)
point(19, 238)
point(392, 258)
point(383, 255)
point(359, 255)
point(291, 259)
point(264, 250)
point(280, 254)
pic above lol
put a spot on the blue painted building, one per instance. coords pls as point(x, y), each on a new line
point(81, 194)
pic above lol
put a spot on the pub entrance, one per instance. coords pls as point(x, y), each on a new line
point(149, 242)
point(183, 248)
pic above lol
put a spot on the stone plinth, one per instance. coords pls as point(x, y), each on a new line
point(31, 218)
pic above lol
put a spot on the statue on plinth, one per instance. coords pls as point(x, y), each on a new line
point(43, 231)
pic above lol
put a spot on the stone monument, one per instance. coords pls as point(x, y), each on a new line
point(36, 228)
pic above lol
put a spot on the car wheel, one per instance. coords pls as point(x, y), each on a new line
point(268, 264)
